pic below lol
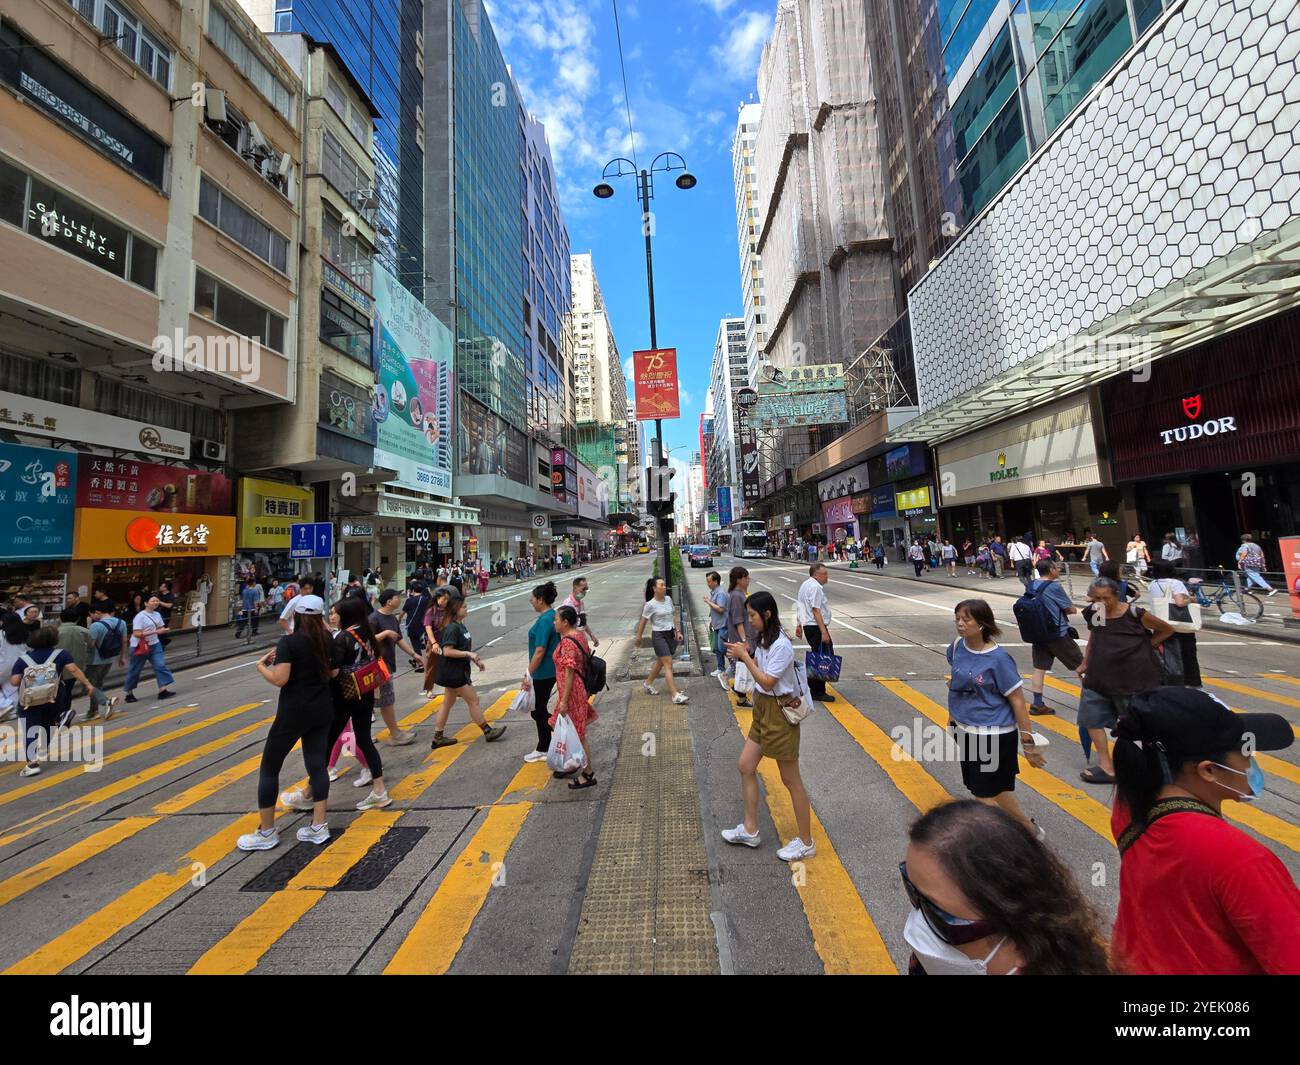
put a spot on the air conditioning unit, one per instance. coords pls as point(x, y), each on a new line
point(257, 140)
point(214, 104)
point(212, 450)
point(363, 199)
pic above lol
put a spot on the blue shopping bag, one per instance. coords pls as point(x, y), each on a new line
point(823, 667)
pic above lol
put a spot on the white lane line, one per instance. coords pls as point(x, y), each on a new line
point(228, 669)
point(860, 632)
point(497, 640)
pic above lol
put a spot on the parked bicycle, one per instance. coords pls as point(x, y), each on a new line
point(1227, 597)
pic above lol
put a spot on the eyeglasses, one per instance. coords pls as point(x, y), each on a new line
point(952, 930)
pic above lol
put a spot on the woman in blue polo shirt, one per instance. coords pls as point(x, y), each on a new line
point(986, 702)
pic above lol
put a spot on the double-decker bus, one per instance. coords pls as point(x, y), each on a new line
point(748, 539)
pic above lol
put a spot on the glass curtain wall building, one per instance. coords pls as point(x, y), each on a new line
point(1015, 70)
point(382, 44)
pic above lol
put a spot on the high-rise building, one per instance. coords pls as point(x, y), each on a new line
point(478, 184)
point(382, 45)
point(600, 394)
point(830, 282)
point(548, 322)
point(748, 223)
point(729, 373)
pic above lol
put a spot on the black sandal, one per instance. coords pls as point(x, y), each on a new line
point(588, 781)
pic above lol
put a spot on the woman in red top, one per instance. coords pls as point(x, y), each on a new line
point(570, 659)
point(1197, 895)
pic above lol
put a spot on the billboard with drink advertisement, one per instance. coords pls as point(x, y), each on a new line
point(120, 484)
point(656, 384)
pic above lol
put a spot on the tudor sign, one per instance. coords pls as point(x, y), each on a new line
point(1192, 408)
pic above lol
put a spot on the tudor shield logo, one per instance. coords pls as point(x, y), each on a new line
point(1192, 406)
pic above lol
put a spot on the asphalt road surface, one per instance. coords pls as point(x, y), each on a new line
point(485, 864)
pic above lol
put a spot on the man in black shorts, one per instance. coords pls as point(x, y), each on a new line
point(1063, 648)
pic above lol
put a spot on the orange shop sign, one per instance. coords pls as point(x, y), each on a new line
point(146, 534)
point(656, 384)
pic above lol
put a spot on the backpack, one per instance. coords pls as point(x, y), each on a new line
point(594, 675)
point(1036, 617)
point(40, 684)
point(111, 645)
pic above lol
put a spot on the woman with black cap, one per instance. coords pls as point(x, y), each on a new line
point(1197, 895)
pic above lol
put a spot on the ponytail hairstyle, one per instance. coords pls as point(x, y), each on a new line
point(650, 583)
point(763, 604)
point(1144, 762)
point(546, 592)
point(312, 628)
point(737, 574)
point(1016, 884)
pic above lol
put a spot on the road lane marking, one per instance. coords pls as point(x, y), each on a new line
point(55, 779)
point(241, 665)
point(241, 949)
point(1266, 824)
point(435, 939)
point(99, 843)
point(843, 933)
point(1258, 693)
point(1078, 804)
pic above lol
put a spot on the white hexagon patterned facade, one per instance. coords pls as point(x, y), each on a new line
point(1191, 149)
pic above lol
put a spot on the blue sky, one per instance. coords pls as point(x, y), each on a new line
point(690, 64)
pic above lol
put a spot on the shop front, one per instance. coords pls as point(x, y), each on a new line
point(1209, 447)
point(37, 509)
point(839, 522)
point(412, 531)
point(915, 505)
point(1041, 473)
point(265, 513)
point(136, 550)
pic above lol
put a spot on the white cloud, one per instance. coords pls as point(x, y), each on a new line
point(629, 368)
point(684, 396)
point(718, 6)
point(738, 53)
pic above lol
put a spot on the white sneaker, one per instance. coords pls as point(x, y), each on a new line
point(375, 802)
point(722, 679)
point(335, 773)
point(317, 834)
point(1039, 830)
point(680, 698)
point(715, 673)
point(796, 850)
point(261, 840)
point(365, 778)
point(29, 771)
point(109, 707)
point(649, 689)
point(535, 756)
point(296, 800)
point(739, 836)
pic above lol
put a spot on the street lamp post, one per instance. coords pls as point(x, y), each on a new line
point(664, 162)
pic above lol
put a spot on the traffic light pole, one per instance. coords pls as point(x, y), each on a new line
point(665, 523)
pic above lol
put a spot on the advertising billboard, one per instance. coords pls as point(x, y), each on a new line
point(655, 373)
point(794, 409)
point(489, 446)
point(593, 496)
point(37, 502)
point(414, 397)
point(724, 505)
point(120, 484)
point(827, 377)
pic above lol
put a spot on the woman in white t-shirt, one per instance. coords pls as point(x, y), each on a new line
point(658, 611)
point(770, 733)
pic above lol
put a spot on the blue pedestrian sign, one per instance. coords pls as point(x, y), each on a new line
point(311, 540)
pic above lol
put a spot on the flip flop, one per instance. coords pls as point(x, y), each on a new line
point(1094, 775)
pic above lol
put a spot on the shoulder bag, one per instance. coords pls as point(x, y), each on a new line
point(365, 675)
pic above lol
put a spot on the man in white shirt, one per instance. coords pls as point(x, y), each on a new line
point(306, 587)
point(814, 623)
point(1020, 555)
point(574, 599)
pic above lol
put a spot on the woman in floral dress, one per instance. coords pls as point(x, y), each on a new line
point(570, 659)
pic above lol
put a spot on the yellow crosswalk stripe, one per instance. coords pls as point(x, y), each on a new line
point(1078, 804)
point(243, 948)
point(9, 750)
point(100, 842)
point(1266, 824)
point(436, 937)
point(918, 786)
point(1258, 693)
point(87, 934)
point(843, 933)
point(54, 779)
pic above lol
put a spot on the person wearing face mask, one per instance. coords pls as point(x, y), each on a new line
point(988, 899)
point(575, 601)
point(1197, 895)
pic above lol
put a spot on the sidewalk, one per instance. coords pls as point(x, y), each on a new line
point(1269, 627)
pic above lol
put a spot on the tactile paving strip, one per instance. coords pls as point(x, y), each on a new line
point(646, 908)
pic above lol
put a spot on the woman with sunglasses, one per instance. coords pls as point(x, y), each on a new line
point(986, 704)
point(988, 899)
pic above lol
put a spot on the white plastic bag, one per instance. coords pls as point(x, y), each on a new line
point(523, 702)
point(744, 681)
point(565, 754)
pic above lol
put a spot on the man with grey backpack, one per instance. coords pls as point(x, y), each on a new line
point(42, 700)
